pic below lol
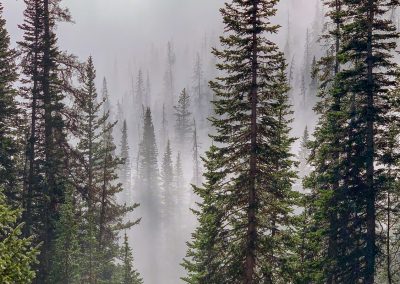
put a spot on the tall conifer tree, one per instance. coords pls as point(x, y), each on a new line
point(254, 243)
point(46, 152)
point(10, 169)
point(183, 125)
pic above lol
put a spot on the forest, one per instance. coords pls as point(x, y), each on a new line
point(199, 142)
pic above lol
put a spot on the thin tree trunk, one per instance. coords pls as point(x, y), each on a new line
point(31, 149)
point(251, 242)
point(370, 190)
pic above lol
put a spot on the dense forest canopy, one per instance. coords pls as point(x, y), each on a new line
point(202, 142)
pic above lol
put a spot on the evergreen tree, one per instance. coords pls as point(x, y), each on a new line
point(304, 154)
point(179, 180)
point(90, 132)
point(17, 256)
point(46, 152)
point(129, 274)
point(197, 175)
point(203, 259)
point(169, 80)
point(96, 176)
point(149, 191)
point(346, 181)
point(110, 214)
point(9, 148)
point(183, 125)
point(125, 172)
point(389, 265)
point(140, 90)
point(67, 258)
point(167, 175)
point(105, 97)
point(255, 243)
point(148, 91)
point(164, 128)
point(198, 80)
point(200, 92)
point(369, 52)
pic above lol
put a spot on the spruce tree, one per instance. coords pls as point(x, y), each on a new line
point(90, 132)
point(67, 258)
point(179, 179)
point(46, 173)
point(203, 259)
point(148, 188)
point(9, 109)
point(17, 255)
point(96, 178)
point(169, 76)
point(140, 90)
point(356, 76)
point(255, 242)
point(105, 97)
point(389, 244)
point(183, 125)
point(129, 274)
point(367, 54)
point(125, 171)
point(304, 154)
point(197, 175)
point(111, 215)
point(168, 186)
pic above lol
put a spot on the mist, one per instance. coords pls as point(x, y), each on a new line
point(125, 36)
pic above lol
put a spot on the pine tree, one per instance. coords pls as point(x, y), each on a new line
point(167, 176)
point(125, 172)
point(46, 152)
point(197, 176)
point(140, 90)
point(105, 97)
point(164, 128)
point(179, 180)
point(304, 154)
point(129, 274)
point(169, 80)
point(17, 255)
point(346, 181)
point(90, 126)
point(110, 214)
point(183, 125)
point(148, 91)
point(203, 259)
point(369, 76)
point(96, 179)
point(389, 265)
point(148, 188)
point(324, 180)
point(255, 197)
point(67, 258)
point(200, 91)
point(9, 109)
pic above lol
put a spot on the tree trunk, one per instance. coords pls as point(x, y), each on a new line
point(370, 189)
point(252, 194)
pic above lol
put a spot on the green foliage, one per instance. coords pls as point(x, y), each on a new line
point(247, 221)
point(129, 274)
point(96, 176)
point(9, 109)
point(347, 181)
point(17, 256)
point(67, 258)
